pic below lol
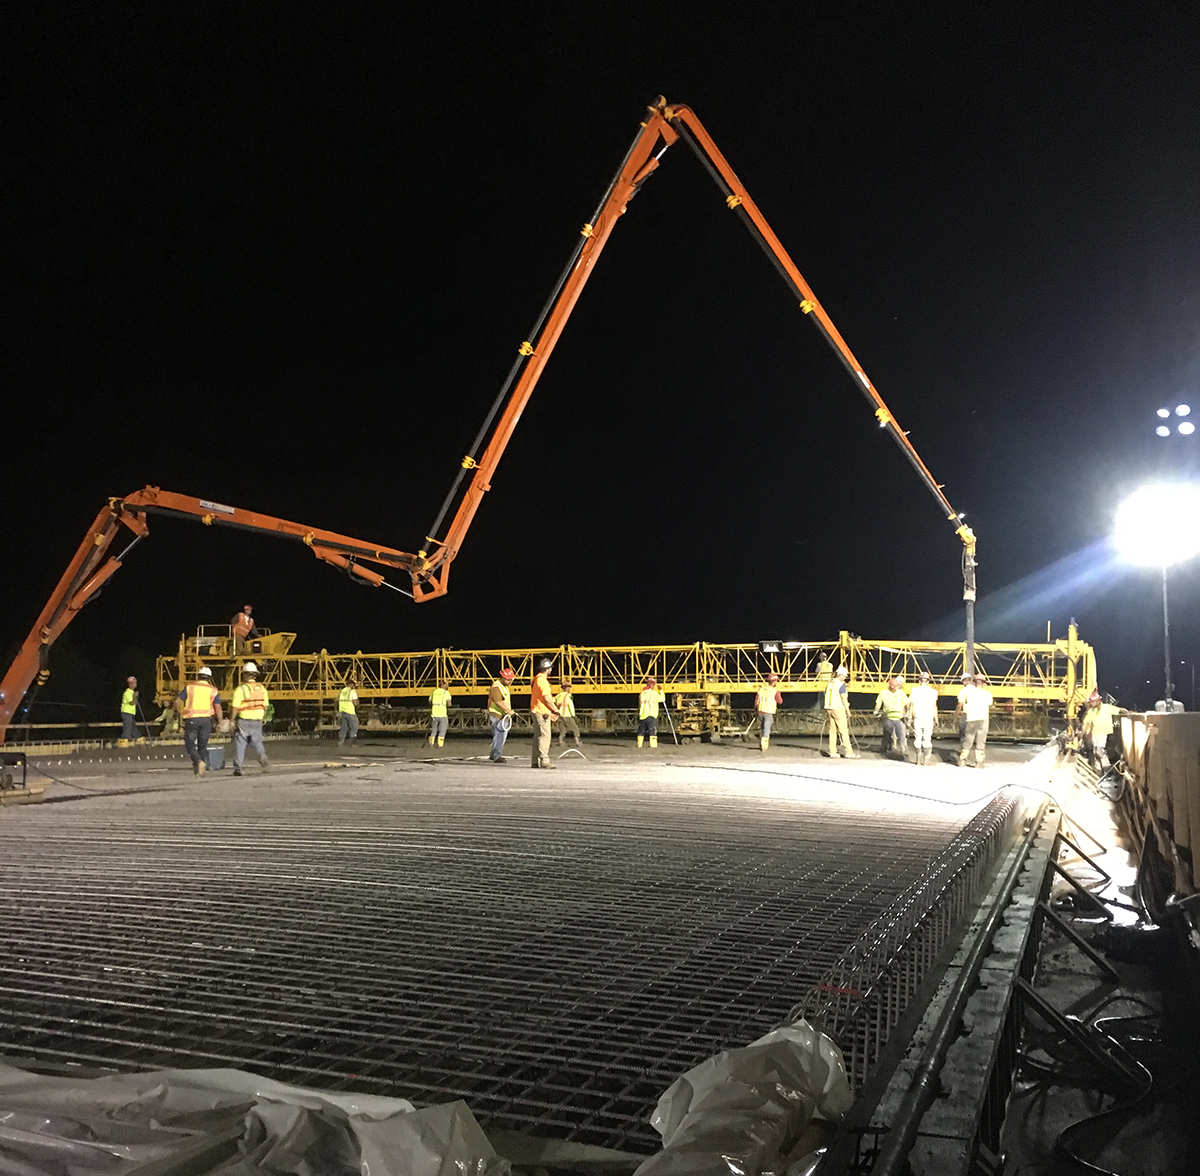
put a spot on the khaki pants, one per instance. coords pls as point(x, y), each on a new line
point(568, 725)
point(838, 725)
point(975, 736)
point(541, 740)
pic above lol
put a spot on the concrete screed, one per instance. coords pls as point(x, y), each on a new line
point(553, 947)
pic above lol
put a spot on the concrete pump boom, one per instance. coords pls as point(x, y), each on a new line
point(429, 569)
point(664, 125)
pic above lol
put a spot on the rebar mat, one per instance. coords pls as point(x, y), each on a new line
point(554, 949)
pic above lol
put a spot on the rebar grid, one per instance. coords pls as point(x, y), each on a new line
point(555, 950)
point(862, 997)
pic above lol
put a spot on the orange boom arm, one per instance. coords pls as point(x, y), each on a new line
point(92, 567)
point(664, 125)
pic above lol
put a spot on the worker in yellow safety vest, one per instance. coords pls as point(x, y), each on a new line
point(1097, 724)
point(892, 705)
point(198, 704)
point(249, 705)
point(348, 712)
point(129, 705)
point(568, 724)
point(766, 703)
point(837, 713)
point(650, 699)
point(439, 717)
point(500, 713)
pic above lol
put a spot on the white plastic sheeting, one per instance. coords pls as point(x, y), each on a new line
point(114, 1125)
point(743, 1112)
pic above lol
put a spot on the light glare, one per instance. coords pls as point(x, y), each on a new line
point(1183, 409)
point(1163, 431)
point(1187, 428)
point(1159, 525)
point(1164, 412)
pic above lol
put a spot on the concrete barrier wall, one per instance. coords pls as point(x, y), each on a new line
point(1163, 755)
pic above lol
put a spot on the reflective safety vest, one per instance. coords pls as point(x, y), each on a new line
point(242, 624)
point(128, 703)
point(835, 695)
point(765, 700)
point(648, 702)
point(200, 699)
point(893, 703)
point(494, 708)
point(439, 700)
point(566, 704)
point(346, 700)
point(1102, 725)
point(250, 701)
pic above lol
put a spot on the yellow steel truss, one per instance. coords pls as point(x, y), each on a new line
point(1055, 676)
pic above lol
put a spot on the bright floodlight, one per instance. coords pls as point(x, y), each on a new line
point(1159, 525)
point(1163, 431)
point(1183, 409)
point(1164, 412)
point(1187, 428)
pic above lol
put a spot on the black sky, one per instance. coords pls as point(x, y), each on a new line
point(282, 256)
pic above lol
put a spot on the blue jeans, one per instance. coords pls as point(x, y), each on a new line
point(347, 727)
point(195, 740)
point(499, 735)
point(248, 731)
point(128, 726)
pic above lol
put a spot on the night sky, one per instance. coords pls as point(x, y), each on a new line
point(282, 256)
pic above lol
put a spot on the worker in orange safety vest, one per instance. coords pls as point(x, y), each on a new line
point(243, 627)
point(766, 702)
point(545, 711)
point(198, 703)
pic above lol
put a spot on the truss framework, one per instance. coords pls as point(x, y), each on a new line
point(1055, 675)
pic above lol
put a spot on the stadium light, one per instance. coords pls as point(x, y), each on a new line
point(1156, 527)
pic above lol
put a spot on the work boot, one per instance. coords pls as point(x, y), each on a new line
point(122, 742)
point(653, 740)
point(237, 771)
point(548, 764)
point(201, 767)
point(640, 740)
point(764, 743)
point(265, 764)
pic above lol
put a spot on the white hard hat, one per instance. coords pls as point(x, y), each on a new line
point(843, 672)
point(900, 679)
point(205, 672)
point(249, 668)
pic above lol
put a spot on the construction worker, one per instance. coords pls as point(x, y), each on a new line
point(568, 724)
point(974, 701)
point(837, 712)
point(168, 721)
point(198, 704)
point(129, 705)
point(243, 627)
point(348, 712)
point(924, 716)
point(249, 705)
point(439, 719)
point(545, 712)
point(967, 680)
point(650, 699)
point(766, 702)
point(500, 713)
point(892, 706)
point(1097, 725)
